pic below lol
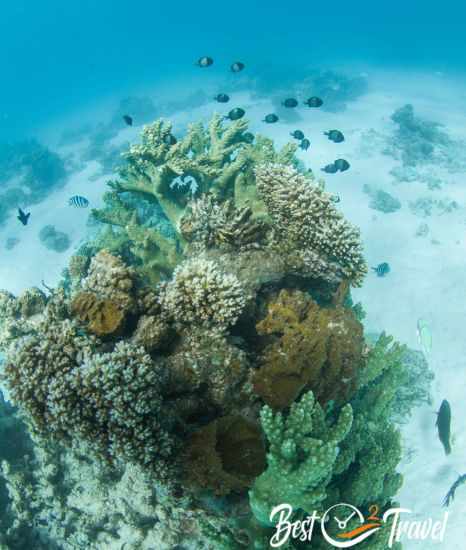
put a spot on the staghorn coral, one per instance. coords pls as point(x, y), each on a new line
point(304, 218)
point(226, 455)
point(301, 457)
point(308, 347)
point(201, 293)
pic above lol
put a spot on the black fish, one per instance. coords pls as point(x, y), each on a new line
point(451, 492)
point(248, 137)
point(342, 165)
point(22, 217)
point(169, 139)
point(204, 62)
point(237, 66)
point(305, 144)
point(290, 102)
point(443, 425)
point(330, 169)
point(236, 113)
point(382, 269)
point(314, 102)
point(270, 119)
point(128, 120)
point(222, 98)
point(335, 135)
point(297, 134)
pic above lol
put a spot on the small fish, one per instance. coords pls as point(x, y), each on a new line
point(335, 135)
point(451, 492)
point(297, 134)
point(236, 67)
point(290, 103)
point(382, 269)
point(305, 144)
point(271, 118)
point(248, 137)
point(330, 169)
point(335, 198)
point(235, 114)
point(222, 98)
point(314, 102)
point(424, 336)
point(443, 425)
point(128, 120)
point(23, 217)
point(78, 201)
point(204, 62)
point(342, 165)
point(169, 139)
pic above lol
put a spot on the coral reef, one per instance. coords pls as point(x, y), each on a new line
point(427, 206)
point(381, 200)
point(53, 239)
point(201, 360)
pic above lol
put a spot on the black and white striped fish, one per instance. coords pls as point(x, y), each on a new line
point(78, 201)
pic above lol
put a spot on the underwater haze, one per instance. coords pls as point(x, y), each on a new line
point(232, 291)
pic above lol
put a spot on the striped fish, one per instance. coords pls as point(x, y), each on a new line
point(382, 269)
point(78, 201)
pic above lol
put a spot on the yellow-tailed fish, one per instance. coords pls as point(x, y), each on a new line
point(424, 336)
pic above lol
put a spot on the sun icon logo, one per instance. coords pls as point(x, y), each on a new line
point(340, 515)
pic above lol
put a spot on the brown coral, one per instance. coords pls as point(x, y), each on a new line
point(307, 347)
point(226, 455)
point(103, 317)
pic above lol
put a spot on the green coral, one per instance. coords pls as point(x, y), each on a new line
point(302, 454)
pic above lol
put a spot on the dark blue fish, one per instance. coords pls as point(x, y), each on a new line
point(335, 135)
point(23, 217)
point(235, 114)
point(204, 62)
point(248, 137)
point(342, 165)
point(305, 144)
point(451, 492)
point(222, 98)
point(443, 425)
point(330, 169)
point(290, 103)
point(314, 102)
point(237, 66)
point(271, 118)
point(169, 139)
point(128, 120)
point(297, 134)
point(78, 201)
point(382, 269)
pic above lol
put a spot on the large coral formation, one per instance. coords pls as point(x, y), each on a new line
point(202, 345)
point(311, 347)
point(325, 245)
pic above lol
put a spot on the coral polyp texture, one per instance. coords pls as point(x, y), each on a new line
point(201, 361)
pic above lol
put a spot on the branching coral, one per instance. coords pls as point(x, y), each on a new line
point(305, 218)
point(301, 457)
point(308, 347)
point(200, 293)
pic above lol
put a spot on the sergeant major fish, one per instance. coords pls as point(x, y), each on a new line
point(382, 269)
point(78, 201)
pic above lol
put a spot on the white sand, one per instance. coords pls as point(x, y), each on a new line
point(427, 280)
